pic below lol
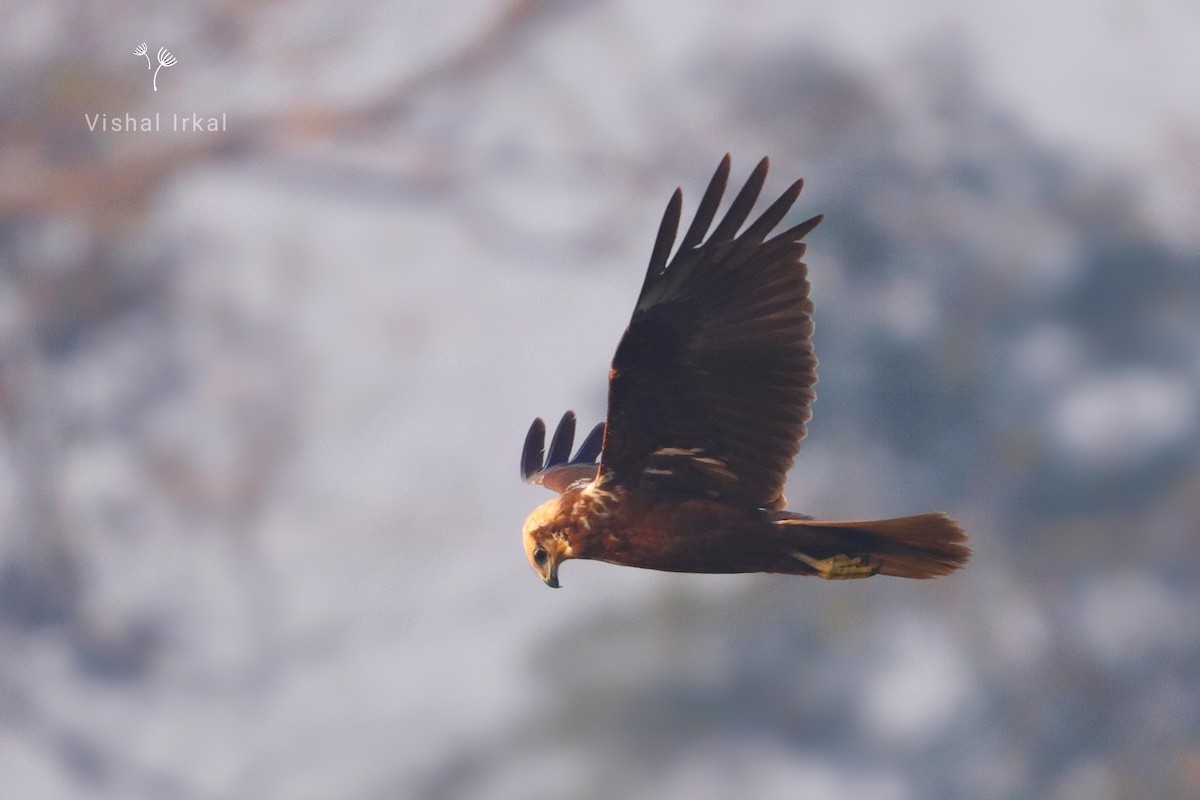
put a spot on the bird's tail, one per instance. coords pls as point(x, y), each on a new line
point(924, 546)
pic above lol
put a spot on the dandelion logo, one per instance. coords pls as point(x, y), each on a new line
point(165, 59)
point(193, 123)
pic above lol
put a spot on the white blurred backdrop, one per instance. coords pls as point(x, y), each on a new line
point(263, 391)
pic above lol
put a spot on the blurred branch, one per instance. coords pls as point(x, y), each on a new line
point(35, 180)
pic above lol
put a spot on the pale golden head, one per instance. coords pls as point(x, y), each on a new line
point(545, 541)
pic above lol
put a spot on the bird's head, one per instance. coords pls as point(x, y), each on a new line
point(545, 538)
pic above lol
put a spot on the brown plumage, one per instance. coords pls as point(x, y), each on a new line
point(708, 398)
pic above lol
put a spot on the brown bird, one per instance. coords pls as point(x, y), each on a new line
point(708, 397)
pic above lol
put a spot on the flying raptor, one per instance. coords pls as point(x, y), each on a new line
point(708, 397)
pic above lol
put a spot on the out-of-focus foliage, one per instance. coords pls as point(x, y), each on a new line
point(262, 392)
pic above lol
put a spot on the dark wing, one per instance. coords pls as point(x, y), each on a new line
point(710, 387)
point(559, 470)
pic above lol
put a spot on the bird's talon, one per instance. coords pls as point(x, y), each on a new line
point(841, 567)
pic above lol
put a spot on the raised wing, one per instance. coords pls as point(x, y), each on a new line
point(558, 470)
point(710, 386)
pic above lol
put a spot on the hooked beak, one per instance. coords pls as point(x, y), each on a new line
point(551, 578)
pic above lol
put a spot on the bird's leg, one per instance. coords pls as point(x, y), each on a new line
point(841, 567)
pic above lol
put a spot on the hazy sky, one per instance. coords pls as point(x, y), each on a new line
point(1115, 80)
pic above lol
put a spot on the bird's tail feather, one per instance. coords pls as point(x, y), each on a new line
point(924, 546)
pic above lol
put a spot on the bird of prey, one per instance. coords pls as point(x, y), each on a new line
point(708, 396)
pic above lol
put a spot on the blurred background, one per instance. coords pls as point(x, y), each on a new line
point(263, 391)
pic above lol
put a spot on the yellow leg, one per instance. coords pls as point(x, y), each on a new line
point(841, 567)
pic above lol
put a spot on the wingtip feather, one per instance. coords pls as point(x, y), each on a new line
point(742, 204)
point(533, 452)
point(564, 438)
point(708, 206)
point(590, 449)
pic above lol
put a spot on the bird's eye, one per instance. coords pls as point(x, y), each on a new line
point(539, 556)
